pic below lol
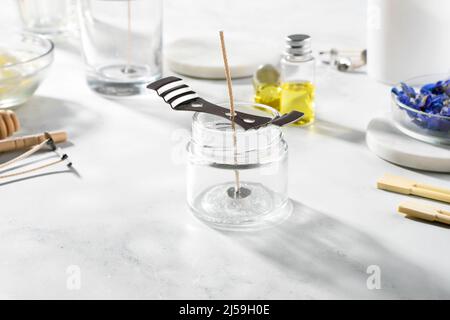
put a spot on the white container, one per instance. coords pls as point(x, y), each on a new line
point(407, 38)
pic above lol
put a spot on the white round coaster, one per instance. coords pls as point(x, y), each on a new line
point(386, 141)
point(201, 57)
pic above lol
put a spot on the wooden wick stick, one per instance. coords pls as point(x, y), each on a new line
point(231, 98)
point(24, 155)
point(129, 36)
point(15, 174)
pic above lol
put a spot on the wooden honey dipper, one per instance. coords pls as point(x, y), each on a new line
point(19, 143)
point(9, 123)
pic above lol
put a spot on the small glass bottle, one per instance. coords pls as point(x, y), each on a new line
point(297, 78)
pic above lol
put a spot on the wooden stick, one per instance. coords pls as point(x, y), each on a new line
point(424, 212)
point(24, 155)
point(29, 141)
point(408, 186)
point(231, 98)
point(129, 35)
point(15, 174)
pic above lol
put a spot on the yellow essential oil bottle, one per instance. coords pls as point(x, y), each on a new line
point(297, 78)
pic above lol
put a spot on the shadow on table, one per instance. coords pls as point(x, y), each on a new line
point(69, 45)
point(154, 107)
point(313, 248)
point(338, 131)
point(43, 113)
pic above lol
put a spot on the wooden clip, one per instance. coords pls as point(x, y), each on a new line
point(424, 212)
point(406, 186)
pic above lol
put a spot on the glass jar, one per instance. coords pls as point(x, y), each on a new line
point(298, 78)
point(260, 160)
point(121, 44)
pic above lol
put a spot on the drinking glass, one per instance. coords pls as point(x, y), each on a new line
point(47, 17)
point(121, 43)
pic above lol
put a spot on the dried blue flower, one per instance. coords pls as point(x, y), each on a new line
point(395, 91)
point(445, 111)
point(433, 99)
point(446, 87)
point(427, 89)
point(409, 91)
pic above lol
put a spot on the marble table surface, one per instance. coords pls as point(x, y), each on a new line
point(121, 227)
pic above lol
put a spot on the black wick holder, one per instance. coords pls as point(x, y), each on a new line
point(52, 145)
point(181, 97)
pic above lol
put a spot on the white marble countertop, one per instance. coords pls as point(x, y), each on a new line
point(124, 222)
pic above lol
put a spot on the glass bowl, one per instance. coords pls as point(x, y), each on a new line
point(24, 60)
point(420, 125)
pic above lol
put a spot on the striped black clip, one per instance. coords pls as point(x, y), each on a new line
point(174, 91)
